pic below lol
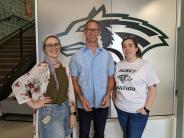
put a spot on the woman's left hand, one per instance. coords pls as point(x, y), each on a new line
point(72, 121)
point(142, 111)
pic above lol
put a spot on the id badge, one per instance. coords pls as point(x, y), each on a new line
point(46, 119)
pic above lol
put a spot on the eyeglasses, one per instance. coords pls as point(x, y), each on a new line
point(51, 46)
point(89, 30)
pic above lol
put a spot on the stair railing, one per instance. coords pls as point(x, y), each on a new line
point(23, 66)
point(12, 16)
point(19, 31)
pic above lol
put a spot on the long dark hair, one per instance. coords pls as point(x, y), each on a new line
point(133, 38)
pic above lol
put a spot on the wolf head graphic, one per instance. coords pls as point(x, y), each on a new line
point(124, 77)
point(113, 27)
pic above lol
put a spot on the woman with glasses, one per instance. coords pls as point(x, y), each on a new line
point(135, 89)
point(47, 88)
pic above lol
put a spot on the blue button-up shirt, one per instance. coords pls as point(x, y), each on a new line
point(92, 71)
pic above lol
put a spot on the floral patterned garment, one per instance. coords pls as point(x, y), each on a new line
point(34, 84)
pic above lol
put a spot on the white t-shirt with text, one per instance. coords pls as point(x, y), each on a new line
point(132, 81)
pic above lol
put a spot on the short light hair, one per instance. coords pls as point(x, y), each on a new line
point(92, 20)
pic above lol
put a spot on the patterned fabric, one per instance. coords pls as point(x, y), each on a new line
point(34, 84)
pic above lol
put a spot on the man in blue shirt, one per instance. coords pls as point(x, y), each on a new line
point(92, 70)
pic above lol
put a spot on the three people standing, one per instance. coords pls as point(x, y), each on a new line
point(47, 88)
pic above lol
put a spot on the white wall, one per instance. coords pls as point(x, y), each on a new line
point(152, 14)
point(157, 127)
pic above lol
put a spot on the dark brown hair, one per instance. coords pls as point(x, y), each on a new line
point(133, 38)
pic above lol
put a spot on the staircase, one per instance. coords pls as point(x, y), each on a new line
point(17, 56)
point(11, 57)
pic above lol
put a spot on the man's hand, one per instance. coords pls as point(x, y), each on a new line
point(110, 86)
point(85, 104)
point(106, 100)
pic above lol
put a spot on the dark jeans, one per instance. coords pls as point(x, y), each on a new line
point(99, 116)
point(132, 124)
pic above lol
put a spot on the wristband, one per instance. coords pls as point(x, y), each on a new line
point(73, 113)
point(146, 110)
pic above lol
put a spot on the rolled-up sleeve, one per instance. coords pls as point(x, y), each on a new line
point(20, 91)
point(21, 86)
point(31, 85)
point(111, 66)
point(73, 66)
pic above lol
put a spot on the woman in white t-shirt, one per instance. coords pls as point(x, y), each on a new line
point(135, 89)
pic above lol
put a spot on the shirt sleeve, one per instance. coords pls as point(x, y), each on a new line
point(30, 83)
point(71, 95)
point(22, 86)
point(20, 91)
point(152, 77)
point(111, 65)
point(73, 66)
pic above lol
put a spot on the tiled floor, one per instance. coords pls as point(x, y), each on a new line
point(15, 129)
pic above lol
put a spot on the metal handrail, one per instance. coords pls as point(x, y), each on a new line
point(16, 72)
point(9, 17)
point(19, 31)
point(22, 29)
point(22, 66)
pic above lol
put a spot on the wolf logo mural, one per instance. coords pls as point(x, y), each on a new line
point(113, 27)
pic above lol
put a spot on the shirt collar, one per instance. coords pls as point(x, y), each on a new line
point(84, 48)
